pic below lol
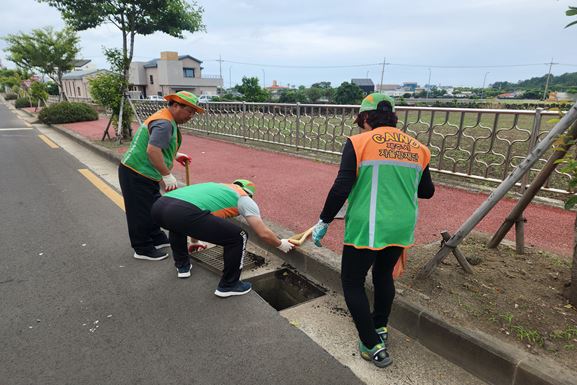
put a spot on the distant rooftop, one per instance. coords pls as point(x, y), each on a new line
point(154, 62)
point(76, 75)
point(80, 62)
point(362, 82)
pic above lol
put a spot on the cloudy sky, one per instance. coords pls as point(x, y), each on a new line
point(298, 42)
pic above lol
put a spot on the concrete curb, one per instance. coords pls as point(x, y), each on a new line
point(484, 356)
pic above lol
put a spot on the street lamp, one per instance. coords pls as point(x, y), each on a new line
point(429, 84)
point(483, 88)
point(263, 79)
point(230, 77)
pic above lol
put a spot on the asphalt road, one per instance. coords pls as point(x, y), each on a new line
point(76, 308)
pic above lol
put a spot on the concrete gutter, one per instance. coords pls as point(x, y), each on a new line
point(484, 356)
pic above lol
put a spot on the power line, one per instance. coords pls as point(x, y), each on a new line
point(389, 64)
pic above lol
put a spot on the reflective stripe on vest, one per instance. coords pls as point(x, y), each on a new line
point(136, 157)
point(383, 205)
point(219, 198)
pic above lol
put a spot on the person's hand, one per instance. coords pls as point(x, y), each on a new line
point(182, 158)
point(285, 246)
point(169, 182)
point(319, 232)
point(196, 246)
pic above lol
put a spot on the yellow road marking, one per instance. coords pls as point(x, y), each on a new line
point(50, 143)
point(103, 187)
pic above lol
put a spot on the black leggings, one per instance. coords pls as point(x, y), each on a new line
point(355, 265)
point(184, 219)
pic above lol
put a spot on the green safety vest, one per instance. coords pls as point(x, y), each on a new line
point(383, 207)
point(219, 198)
point(136, 157)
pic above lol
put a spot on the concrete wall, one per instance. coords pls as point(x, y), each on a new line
point(137, 74)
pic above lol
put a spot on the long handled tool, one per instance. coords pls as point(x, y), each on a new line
point(194, 246)
point(187, 170)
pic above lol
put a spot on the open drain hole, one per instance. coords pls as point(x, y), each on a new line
point(284, 288)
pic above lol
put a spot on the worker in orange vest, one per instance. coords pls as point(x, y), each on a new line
point(146, 165)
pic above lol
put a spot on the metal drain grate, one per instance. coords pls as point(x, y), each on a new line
point(212, 258)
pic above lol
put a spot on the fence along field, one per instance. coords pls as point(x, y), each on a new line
point(480, 144)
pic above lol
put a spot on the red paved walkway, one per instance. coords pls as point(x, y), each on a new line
point(291, 193)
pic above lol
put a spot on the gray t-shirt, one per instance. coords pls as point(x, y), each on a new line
point(160, 133)
point(247, 207)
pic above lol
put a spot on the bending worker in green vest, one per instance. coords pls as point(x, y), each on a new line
point(148, 163)
point(200, 211)
point(382, 173)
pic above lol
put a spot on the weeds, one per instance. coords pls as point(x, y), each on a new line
point(523, 334)
point(568, 334)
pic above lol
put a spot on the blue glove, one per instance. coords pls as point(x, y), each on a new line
point(319, 232)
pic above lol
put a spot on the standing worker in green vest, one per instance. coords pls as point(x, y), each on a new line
point(200, 211)
point(146, 165)
point(382, 173)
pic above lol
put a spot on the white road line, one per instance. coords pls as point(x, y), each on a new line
point(17, 129)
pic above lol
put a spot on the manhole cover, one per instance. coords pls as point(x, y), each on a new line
point(212, 258)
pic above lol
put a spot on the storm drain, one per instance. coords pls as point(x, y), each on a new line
point(284, 288)
point(212, 259)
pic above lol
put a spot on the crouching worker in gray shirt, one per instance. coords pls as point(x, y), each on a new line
point(200, 211)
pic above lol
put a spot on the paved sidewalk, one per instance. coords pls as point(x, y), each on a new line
point(291, 193)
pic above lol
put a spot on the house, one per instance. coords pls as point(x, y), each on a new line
point(410, 86)
point(275, 90)
point(82, 65)
point(171, 73)
point(75, 83)
point(366, 85)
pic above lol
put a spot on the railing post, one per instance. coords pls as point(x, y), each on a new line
point(520, 221)
point(298, 123)
point(243, 120)
point(206, 117)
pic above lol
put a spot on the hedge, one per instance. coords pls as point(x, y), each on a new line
point(25, 102)
point(67, 112)
point(10, 96)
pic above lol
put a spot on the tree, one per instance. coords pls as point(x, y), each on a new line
point(293, 96)
point(570, 167)
point(131, 17)
point(313, 94)
point(38, 91)
point(349, 93)
point(328, 92)
point(572, 11)
point(251, 90)
point(49, 52)
point(106, 90)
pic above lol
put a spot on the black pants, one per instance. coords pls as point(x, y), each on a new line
point(184, 219)
point(355, 265)
point(139, 194)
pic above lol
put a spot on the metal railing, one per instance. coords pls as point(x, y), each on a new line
point(481, 144)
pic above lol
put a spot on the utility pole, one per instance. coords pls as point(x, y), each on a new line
point(263, 79)
point(429, 84)
point(382, 74)
point(483, 88)
point(548, 77)
point(229, 77)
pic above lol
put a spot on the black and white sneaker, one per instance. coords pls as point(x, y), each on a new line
point(184, 271)
point(239, 289)
point(152, 255)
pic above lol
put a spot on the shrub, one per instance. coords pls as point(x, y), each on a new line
point(10, 96)
point(26, 102)
point(67, 112)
